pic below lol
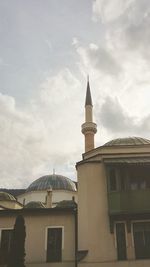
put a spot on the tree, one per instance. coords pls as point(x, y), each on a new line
point(17, 250)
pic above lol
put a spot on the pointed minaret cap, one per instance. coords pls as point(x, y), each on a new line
point(89, 128)
point(88, 99)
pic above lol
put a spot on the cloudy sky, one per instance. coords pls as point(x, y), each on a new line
point(47, 48)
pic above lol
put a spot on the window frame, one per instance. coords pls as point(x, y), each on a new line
point(132, 234)
point(126, 238)
point(46, 235)
point(1, 229)
point(110, 169)
point(4, 229)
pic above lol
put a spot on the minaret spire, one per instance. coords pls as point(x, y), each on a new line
point(88, 99)
point(89, 128)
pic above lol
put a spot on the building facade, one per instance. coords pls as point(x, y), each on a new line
point(61, 187)
point(50, 236)
point(113, 200)
point(112, 228)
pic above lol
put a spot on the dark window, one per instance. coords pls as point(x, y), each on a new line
point(139, 178)
point(141, 232)
point(112, 180)
point(134, 183)
point(54, 244)
point(121, 241)
point(137, 183)
point(122, 184)
point(5, 242)
point(123, 179)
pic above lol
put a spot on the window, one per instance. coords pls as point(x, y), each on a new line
point(123, 178)
point(5, 242)
point(141, 233)
point(137, 183)
point(54, 244)
point(121, 241)
point(112, 180)
point(139, 178)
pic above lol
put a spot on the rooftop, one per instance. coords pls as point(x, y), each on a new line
point(128, 141)
point(53, 181)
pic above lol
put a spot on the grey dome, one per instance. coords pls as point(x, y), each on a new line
point(66, 204)
point(128, 141)
point(53, 181)
point(6, 197)
point(34, 205)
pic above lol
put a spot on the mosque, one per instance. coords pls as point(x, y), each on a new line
point(103, 220)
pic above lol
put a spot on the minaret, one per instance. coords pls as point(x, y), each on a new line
point(89, 128)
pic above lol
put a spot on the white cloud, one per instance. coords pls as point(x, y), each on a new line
point(45, 134)
point(117, 120)
point(99, 59)
point(108, 10)
point(126, 25)
point(39, 138)
point(75, 41)
point(119, 68)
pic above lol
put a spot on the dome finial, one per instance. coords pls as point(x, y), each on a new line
point(53, 171)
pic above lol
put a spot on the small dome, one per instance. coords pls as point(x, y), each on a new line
point(128, 141)
point(66, 204)
point(53, 181)
point(34, 205)
point(6, 197)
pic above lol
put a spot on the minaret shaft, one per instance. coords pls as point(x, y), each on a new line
point(89, 128)
point(88, 114)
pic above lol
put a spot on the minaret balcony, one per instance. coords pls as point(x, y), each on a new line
point(89, 127)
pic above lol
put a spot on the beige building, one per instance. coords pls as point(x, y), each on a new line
point(113, 227)
point(113, 200)
point(50, 236)
point(62, 188)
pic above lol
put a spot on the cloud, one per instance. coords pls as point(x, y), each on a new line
point(117, 120)
point(2, 63)
point(108, 10)
point(45, 132)
point(126, 24)
point(75, 41)
point(99, 58)
point(21, 143)
point(37, 138)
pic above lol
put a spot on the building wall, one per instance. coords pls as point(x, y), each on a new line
point(140, 263)
point(94, 231)
point(56, 264)
point(57, 196)
point(36, 237)
point(93, 215)
point(119, 151)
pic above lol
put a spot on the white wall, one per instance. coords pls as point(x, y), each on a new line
point(57, 196)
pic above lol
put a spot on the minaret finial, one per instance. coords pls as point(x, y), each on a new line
point(89, 128)
point(88, 99)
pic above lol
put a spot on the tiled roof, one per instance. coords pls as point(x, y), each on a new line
point(34, 205)
point(128, 141)
point(53, 181)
